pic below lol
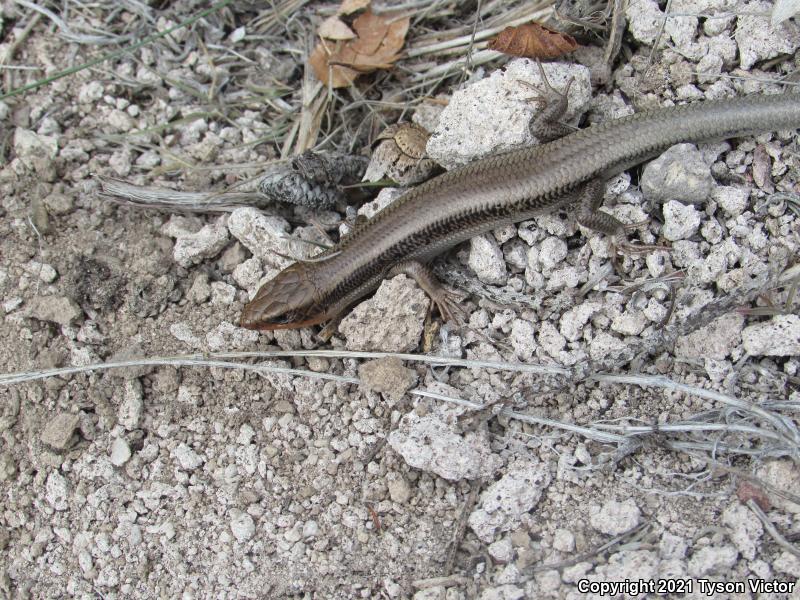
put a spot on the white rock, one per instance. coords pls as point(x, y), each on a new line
point(572, 321)
point(745, 527)
point(310, 529)
point(432, 443)
point(193, 248)
point(120, 452)
point(712, 560)
point(242, 525)
point(492, 115)
point(787, 563)
point(247, 274)
point(504, 502)
point(187, 458)
point(644, 20)
point(680, 173)
point(486, 259)
point(227, 336)
point(604, 344)
point(222, 294)
point(550, 339)
point(758, 39)
point(131, 408)
point(56, 491)
point(732, 200)
point(563, 540)
point(523, 338)
point(615, 518)
point(552, 252)
point(631, 322)
point(780, 336)
point(262, 235)
point(90, 92)
point(680, 221)
point(501, 551)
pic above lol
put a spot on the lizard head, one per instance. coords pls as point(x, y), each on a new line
point(287, 301)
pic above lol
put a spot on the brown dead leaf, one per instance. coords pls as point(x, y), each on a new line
point(334, 28)
point(377, 46)
point(348, 7)
point(533, 40)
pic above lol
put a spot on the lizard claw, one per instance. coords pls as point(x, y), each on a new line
point(448, 304)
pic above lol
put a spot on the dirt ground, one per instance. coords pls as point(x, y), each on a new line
point(202, 481)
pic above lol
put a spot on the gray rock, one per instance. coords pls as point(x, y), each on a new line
point(504, 502)
point(57, 491)
point(399, 490)
point(388, 376)
point(680, 173)
point(745, 528)
point(430, 442)
point(60, 431)
point(242, 525)
point(780, 336)
point(390, 321)
point(615, 518)
point(8, 467)
point(716, 340)
point(681, 221)
point(712, 560)
point(492, 115)
point(758, 40)
point(192, 248)
point(61, 310)
point(262, 235)
point(36, 152)
point(120, 452)
point(486, 259)
point(131, 408)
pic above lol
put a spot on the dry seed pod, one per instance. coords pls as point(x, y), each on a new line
point(400, 154)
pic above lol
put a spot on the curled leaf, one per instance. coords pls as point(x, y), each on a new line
point(377, 45)
point(533, 40)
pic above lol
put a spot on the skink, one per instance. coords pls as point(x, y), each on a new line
point(494, 191)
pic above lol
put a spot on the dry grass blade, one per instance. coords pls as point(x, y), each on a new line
point(116, 54)
point(171, 200)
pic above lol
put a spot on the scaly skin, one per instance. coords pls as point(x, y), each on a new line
point(501, 189)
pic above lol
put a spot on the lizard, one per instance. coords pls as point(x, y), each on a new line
point(494, 191)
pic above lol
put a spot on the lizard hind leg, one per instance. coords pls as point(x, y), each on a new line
point(590, 198)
